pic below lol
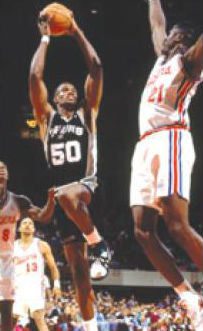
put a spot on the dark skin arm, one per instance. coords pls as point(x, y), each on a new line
point(40, 214)
point(158, 25)
point(37, 88)
point(94, 82)
point(193, 59)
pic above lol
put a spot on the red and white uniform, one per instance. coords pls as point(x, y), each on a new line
point(9, 215)
point(29, 278)
point(163, 159)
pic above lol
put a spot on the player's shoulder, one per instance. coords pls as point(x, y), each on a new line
point(18, 198)
point(80, 113)
point(22, 200)
point(44, 246)
point(53, 114)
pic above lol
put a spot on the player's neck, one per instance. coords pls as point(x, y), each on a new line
point(178, 49)
point(26, 239)
point(68, 113)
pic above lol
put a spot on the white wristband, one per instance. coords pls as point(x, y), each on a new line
point(46, 39)
point(57, 283)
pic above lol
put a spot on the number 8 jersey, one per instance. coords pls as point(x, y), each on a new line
point(70, 148)
point(167, 96)
point(9, 215)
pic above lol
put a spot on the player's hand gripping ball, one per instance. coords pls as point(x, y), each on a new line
point(59, 18)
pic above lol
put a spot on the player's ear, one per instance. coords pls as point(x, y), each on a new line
point(55, 98)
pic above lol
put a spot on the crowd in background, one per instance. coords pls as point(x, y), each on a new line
point(116, 313)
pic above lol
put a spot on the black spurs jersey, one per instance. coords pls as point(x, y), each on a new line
point(70, 149)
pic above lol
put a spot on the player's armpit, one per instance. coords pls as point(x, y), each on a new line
point(193, 59)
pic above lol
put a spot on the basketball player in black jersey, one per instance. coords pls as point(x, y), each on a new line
point(69, 138)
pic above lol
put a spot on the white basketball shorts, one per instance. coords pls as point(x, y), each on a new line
point(6, 277)
point(28, 301)
point(161, 166)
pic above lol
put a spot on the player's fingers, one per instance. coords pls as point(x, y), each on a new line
point(43, 25)
point(51, 194)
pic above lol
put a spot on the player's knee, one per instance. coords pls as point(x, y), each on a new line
point(177, 229)
point(143, 236)
point(69, 201)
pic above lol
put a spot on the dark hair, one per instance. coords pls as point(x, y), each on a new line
point(188, 31)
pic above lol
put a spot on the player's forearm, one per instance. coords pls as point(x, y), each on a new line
point(55, 274)
point(193, 59)
point(91, 57)
point(46, 212)
point(39, 58)
point(156, 14)
point(44, 215)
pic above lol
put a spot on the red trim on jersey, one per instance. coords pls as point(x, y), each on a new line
point(182, 94)
point(163, 128)
point(175, 162)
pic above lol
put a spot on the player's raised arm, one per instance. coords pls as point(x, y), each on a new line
point(49, 259)
point(94, 81)
point(40, 214)
point(193, 59)
point(37, 87)
point(158, 24)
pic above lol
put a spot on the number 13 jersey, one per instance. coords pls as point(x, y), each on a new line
point(70, 148)
point(167, 96)
point(29, 265)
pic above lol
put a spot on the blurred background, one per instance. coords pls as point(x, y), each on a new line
point(120, 32)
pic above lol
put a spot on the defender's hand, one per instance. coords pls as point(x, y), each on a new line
point(51, 195)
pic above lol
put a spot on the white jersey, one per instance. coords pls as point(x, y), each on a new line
point(9, 215)
point(167, 96)
point(29, 266)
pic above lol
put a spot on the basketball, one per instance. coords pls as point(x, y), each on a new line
point(59, 18)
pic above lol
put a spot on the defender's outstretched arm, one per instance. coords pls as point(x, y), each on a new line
point(193, 59)
point(158, 24)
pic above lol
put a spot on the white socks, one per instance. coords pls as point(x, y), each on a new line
point(90, 325)
point(93, 238)
point(184, 287)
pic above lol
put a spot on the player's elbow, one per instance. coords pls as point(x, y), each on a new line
point(98, 62)
point(35, 74)
point(97, 68)
point(44, 219)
